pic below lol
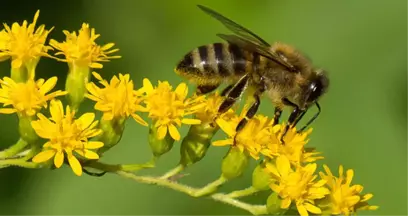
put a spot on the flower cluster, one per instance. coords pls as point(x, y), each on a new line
point(289, 167)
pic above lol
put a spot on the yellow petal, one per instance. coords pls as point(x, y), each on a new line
point(139, 119)
point(313, 209)
point(161, 132)
point(43, 156)
point(75, 165)
point(7, 110)
point(56, 110)
point(223, 142)
point(59, 159)
point(182, 90)
point(283, 165)
point(93, 145)
point(96, 65)
point(286, 203)
point(88, 154)
point(366, 197)
point(191, 121)
point(273, 170)
point(97, 76)
point(147, 85)
point(302, 210)
point(48, 85)
point(85, 120)
point(174, 133)
point(225, 126)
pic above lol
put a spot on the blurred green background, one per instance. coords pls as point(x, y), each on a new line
point(363, 44)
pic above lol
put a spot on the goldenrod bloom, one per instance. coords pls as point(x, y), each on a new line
point(66, 134)
point(297, 186)
point(167, 108)
point(24, 44)
point(27, 98)
point(344, 198)
point(251, 138)
point(210, 110)
point(81, 50)
point(294, 147)
point(117, 98)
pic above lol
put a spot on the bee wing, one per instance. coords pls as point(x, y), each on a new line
point(253, 47)
point(245, 38)
point(234, 27)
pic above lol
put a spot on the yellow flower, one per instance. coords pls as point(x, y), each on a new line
point(66, 134)
point(345, 198)
point(80, 49)
point(23, 43)
point(251, 138)
point(27, 98)
point(210, 111)
point(117, 98)
point(294, 147)
point(168, 108)
point(297, 186)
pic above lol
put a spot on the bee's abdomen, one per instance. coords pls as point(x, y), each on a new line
point(217, 60)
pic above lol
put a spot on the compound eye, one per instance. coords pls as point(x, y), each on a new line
point(315, 89)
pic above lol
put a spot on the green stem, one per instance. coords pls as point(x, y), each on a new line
point(18, 162)
point(253, 209)
point(14, 149)
point(121, 167)
point(241, 193)
point(210, 188)
point(173, 172)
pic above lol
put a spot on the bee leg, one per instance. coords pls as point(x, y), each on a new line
point(293, 118)
point(312, 119)
point(226, 90)
point(234, 94)
point(276, 117)
point(204, 89)
point(250, 113)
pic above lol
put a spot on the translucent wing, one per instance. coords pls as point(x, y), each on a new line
point(245, 38)
point(234, 27)
point(250, 46)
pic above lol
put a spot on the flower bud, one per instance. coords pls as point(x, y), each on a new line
point(75, 85)
point(195, 145)
point(260, 179)
point(273, 204)
point(27, 132)
point(112, 131)
point(234, 163)
point(159, 147)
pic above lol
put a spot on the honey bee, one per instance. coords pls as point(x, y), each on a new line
point(245, 61)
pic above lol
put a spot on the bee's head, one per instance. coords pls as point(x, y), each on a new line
point(316, 88)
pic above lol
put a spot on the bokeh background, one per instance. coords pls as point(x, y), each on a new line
point(363, 44)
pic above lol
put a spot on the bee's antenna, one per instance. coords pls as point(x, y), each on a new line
point(312, 119)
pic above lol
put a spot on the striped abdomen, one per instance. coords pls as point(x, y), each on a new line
point(216, 62)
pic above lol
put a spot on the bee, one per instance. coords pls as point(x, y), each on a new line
point(246, 61)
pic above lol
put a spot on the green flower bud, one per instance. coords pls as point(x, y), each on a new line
point(112, 131)
point(75, 85)
point(260, 179)
point(234, 163)
point(27, 132)
point(273, 204)
point(195, 145)
point(159, 147)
